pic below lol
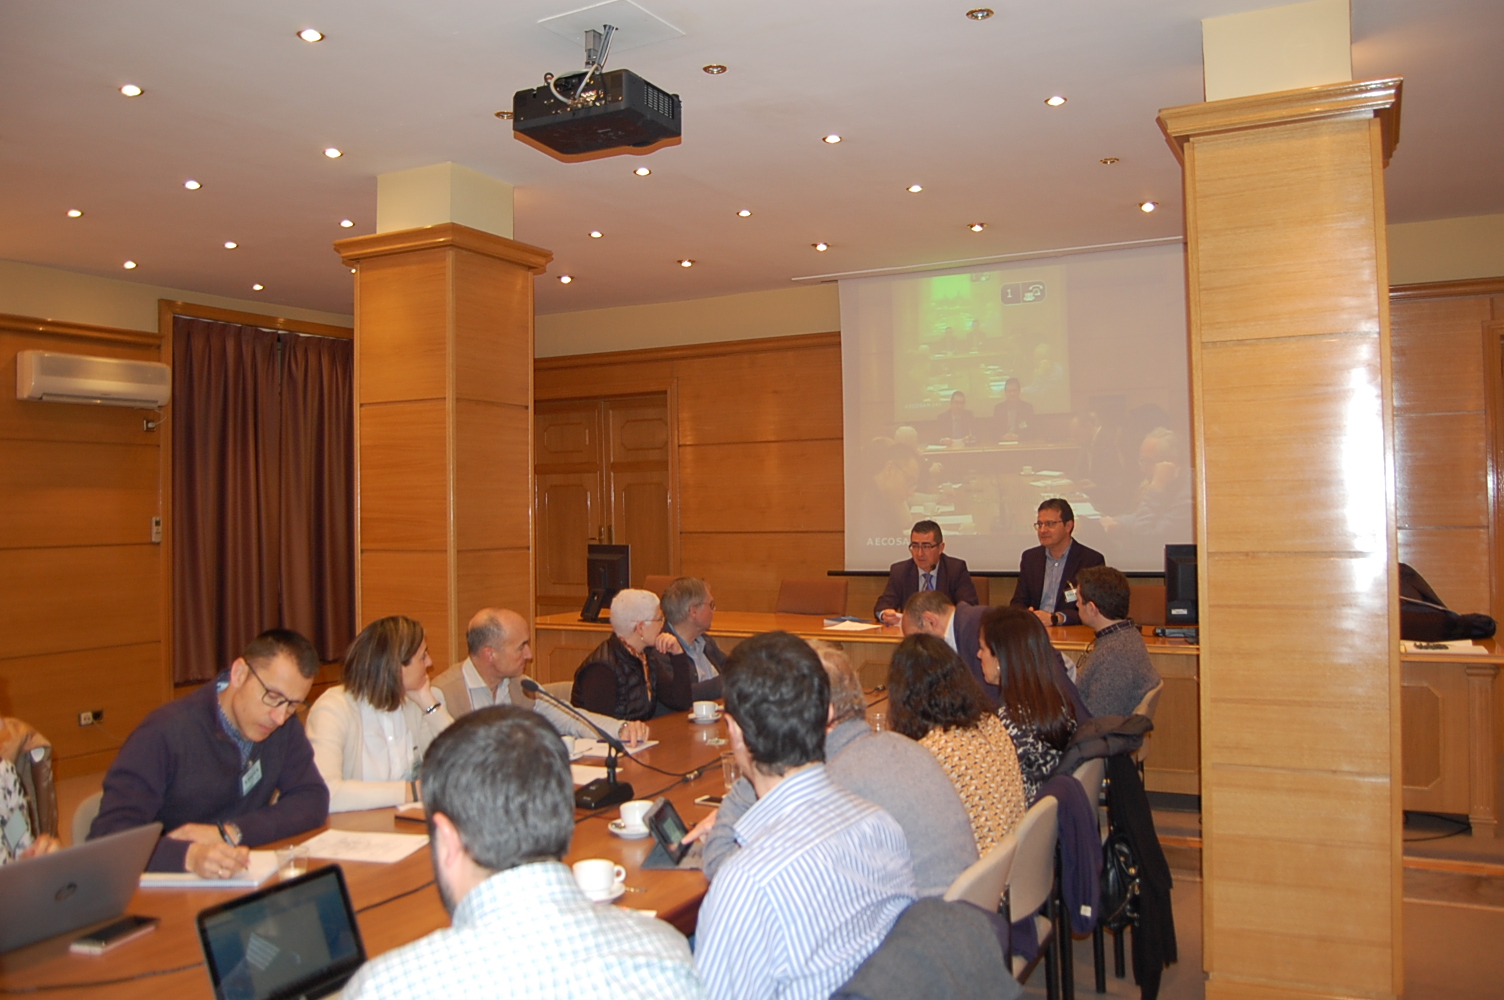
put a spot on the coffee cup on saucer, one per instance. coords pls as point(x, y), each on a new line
point(705, 711)
point(600, 878)
point(632, 814)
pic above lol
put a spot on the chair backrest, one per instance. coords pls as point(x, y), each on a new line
point(983, 883)
point(560, 689)
point(1146, 604)
point(984, 590)
point(83, 817)
point(31, 754)
point(1150, 703)
point(1033, 874)
point(826, 596)
point(657, 582)
point(1091, 774)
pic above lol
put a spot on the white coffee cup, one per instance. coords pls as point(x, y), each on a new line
point(598, 877)
point(705, 709)
point(633, 812)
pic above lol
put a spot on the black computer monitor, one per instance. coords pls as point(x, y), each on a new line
point(1180, 584)
point(608, 569)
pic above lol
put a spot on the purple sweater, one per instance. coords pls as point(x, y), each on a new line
point(180, 767)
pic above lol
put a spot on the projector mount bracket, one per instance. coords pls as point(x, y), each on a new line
point(597, 47)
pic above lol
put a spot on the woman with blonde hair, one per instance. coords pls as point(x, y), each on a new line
point(370, 733)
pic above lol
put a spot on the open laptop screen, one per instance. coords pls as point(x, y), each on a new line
point(297, 938)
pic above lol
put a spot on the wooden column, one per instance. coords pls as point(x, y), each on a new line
point(444, 441)
point(1291, 406)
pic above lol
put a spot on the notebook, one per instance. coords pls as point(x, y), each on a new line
point(72, 888)
point(293, 939)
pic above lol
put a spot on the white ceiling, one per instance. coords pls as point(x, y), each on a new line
point(921, 94)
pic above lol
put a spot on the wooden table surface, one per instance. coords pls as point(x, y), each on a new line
point(395, 903)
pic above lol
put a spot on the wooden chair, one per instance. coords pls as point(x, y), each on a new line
point(1148, 706)
point(657, 582)
point(825, 596)
point(1031, 885)
point(984, 883)
point(984, 590)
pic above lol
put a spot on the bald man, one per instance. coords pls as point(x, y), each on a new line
point(501, 647)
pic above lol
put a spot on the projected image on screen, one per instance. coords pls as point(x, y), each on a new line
point(971, 397)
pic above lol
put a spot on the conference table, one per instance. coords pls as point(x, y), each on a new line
point(1449, 703)
point(395, 903)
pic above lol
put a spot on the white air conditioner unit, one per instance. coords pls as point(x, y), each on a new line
point(76, 378)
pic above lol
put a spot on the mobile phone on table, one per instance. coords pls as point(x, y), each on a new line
point(709, 801)
point(112, 936)
point(668, 829)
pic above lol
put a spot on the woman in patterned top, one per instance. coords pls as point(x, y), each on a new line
point(16, 840)
point(1017, 656)
point(935, 699)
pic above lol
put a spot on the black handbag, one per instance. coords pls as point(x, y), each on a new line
point(1120, 885)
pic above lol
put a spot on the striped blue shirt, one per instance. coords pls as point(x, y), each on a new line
point(820, 878)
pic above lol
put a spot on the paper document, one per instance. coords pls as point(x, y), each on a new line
point(358, 845)
point(832, 625)
point(413, 811)
point(262, 867)
point(1452, 647)
point(598, 748)
point(584, 774)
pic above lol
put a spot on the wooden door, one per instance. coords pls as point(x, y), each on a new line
point(603, 475)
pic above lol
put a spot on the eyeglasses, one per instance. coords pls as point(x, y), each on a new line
point(922, 546)
point(1047, 524)
point(274, 699)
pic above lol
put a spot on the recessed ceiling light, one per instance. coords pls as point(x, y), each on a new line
point(257, 287)
point(915, 188)
point(979, 13)
point(131, 90)
point(74, 213)
point(832, 138)
point(714, 69)
point(822, 247)
point(595, 234)
point(345, 223)
point(231, 244)
point(129, 265)
point(333, 153)
point(505, 116)
point(565, 279)
point(744, 212)
point(976, 227)
point(1054, 101)
point(1147, 206)
point(311, 35)
point(642, 171)
point(192, 185)
point(686, 263)
point(352, 270)
point(1108, 161)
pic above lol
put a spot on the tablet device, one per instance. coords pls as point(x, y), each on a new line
point(668, 829)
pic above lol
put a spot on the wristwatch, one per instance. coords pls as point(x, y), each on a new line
point(1056, 618)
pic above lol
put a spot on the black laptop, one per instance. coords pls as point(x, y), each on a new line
point(291, 940)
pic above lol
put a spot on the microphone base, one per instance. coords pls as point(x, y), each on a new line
point(601, 793)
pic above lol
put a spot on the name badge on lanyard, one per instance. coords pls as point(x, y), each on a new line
point(251, 778)
point(1070, 595)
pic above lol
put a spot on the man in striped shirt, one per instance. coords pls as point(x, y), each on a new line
point(821, 874)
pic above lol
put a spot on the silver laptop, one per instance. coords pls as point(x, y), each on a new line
point(289, 941)
point(74, 887)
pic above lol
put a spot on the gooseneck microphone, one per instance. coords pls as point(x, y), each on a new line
point(601, 792)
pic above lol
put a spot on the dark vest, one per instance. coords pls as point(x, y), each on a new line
point(632, 698)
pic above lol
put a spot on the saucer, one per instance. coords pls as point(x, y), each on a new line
point(705, 722)
point(619, 828)
point(616, 892)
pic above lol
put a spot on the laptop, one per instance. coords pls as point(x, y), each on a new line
point(289, 941)
point(74, 887)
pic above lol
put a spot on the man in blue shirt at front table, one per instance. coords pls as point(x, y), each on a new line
point(210, 765)
point(821, 874)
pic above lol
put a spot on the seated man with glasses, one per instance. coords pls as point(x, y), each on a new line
point(207, 766)
point(1047, 572)
point(928, 569)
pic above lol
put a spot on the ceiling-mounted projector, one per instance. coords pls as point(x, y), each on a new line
point(592, 110)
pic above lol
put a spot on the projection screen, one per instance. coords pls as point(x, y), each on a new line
point(970, 396)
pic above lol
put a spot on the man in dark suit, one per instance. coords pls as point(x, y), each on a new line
point(1047, 572)
point(959, 626)
point(929, 568)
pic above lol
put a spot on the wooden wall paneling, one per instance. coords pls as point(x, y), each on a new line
point(1445, 461)
point(1434, 702)
point(402, 327)
point(770, 396)
point(63, 493)
point(1436, 353)
point(412, 583)
point(492, 316)
point(763, 486)
point(25, 420)
point(745, 568)
point(404, 466)
point(1455, 561)
point(1300, 762)
point(124, 680)
point(78, 597)
point(489, 578)
point(1493, 396)
point(569, 514)
point(492, 504)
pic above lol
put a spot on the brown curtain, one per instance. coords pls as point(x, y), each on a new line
point(262, 491)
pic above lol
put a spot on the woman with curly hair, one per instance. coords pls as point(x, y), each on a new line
point(933, 698)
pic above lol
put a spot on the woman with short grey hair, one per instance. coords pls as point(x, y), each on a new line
point(626, 677)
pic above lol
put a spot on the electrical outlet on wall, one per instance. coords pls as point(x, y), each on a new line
point(93, 718)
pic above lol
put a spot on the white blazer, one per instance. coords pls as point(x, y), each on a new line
point(365, 756)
